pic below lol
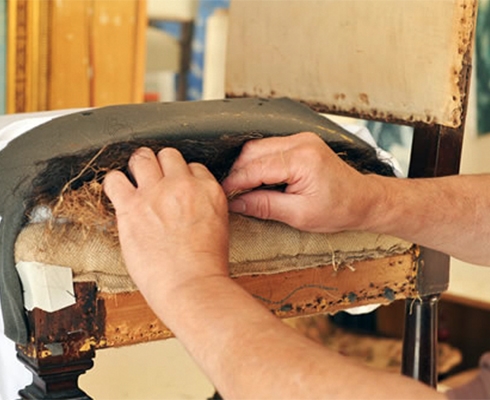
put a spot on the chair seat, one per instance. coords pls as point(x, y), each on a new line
point(256, 247)
point(289, 271)
point(210, 132)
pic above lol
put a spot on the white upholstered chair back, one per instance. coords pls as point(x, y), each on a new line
point(399, 60)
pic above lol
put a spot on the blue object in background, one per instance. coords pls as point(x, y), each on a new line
point(170, 27)
point(194, 79)
point(482, 47)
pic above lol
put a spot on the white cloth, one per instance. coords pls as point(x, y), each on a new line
point(13, 375)
point(363, 133)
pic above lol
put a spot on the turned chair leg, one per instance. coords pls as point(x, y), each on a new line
point(419, 359)
point(54, 379)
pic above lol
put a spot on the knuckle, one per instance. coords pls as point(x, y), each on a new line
point(263, 207)
point(248, 146)
point(196, 165)
point(309, 137)
point(200, 169)
point(143, 154)
point(243, 174)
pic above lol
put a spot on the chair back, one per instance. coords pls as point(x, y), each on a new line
point(399, 61)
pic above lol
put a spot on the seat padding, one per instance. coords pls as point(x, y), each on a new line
point(256, 247)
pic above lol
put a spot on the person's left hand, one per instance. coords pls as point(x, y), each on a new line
point(173, 227)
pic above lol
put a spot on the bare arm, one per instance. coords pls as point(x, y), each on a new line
point(324, 194)
point(248, 353)
point(173, 233)
point(450, 214)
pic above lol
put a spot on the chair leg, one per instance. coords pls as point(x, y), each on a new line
point(61, 346)
point(419, 359)
point(54, 380)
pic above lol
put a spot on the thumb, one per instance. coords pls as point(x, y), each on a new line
point(268, 204)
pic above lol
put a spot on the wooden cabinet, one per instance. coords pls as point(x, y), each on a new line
point(75, 53)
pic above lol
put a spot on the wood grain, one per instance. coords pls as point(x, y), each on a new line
point(127, 319)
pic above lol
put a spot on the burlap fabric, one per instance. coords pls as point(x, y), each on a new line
point(256, 247)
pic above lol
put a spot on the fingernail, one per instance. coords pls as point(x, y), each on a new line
point(238, 206)
point(143, 151)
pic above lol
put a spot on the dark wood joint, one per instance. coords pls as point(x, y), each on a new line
point(433, 272)
point(62, 346)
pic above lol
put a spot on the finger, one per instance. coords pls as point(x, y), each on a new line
point(268, 170)
point(172, 162)
point(145, 168)
point(118, 188)
point(200, 171)
point(269, 161)
point(259, 148)
point(268, 204)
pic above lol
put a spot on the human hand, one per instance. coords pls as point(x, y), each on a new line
point(323, 193)
point(173, 227)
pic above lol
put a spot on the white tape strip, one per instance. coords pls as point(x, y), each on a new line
point(48, 287)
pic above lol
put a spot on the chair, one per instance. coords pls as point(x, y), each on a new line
point(375, 60)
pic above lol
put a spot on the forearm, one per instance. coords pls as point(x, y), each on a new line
point(450, 214)
point(249, 353)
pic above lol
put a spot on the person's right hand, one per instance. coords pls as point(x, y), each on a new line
point(323, 193)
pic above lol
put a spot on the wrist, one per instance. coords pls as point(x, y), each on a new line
point(180, 307)
point(376, 204)
point(166, 290)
